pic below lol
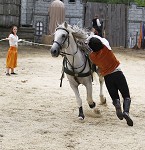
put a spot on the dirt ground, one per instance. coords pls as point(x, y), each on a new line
point(36, 114)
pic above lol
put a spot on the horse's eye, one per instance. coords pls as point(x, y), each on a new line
point(63, 36)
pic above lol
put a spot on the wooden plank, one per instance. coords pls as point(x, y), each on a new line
point(1, 1)
point(18, 2)
point(11, 9)
point(109, 23)
point(92, 10)
point(1, 9)
point(7, 21)
point(14, 2)
point(114, 18)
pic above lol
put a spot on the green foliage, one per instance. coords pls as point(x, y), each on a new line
point(114, 1)
point(140, 2)
point(117, 1)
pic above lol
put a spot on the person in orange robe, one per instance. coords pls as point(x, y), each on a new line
point(140, 37)
point(11, 60)
point(102, 56)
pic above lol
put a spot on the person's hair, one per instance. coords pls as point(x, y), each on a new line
point(11, 30)
point(95, 44)
point(96, 16)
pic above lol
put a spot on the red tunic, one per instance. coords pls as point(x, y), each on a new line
point(105, 60)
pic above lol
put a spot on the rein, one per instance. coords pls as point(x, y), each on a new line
point(73, 73)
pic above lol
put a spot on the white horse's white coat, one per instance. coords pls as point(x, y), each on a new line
point(65, 36)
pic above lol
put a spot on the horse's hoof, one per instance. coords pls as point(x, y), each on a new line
point(81, 114)
point(92, 105)
point(102, 100)
point(80, 118)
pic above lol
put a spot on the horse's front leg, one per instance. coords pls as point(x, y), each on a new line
point(102, 98)
point(74, 87)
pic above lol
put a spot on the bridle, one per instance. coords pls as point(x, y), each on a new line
point(64, 53)
point(61, 44)
point(66, 60)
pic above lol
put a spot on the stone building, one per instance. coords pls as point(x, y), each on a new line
point(33, 18)
point(35, 13)
point(136, 15)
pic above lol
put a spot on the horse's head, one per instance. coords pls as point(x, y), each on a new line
point(61, 39)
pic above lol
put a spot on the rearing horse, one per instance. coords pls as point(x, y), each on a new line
point(75, 64)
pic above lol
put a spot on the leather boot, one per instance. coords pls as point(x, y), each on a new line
point(126, 107)
point(117, 105)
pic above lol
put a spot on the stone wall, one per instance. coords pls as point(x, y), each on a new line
point(136, 15)
point(27, 12)
point(74, 12)
point(34, 11)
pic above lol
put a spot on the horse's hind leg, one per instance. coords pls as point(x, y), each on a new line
point(89, 96)
point(102, 98)
point(91, 103)
point(101, 81)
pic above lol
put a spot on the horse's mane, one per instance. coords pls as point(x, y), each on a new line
point(79, 33)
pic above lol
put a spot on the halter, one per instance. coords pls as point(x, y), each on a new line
point(60, 45)
point(67, 37)
point(64, 53)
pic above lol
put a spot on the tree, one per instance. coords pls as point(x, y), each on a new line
point(114, 1)
point(140, 2)
point(121, 1)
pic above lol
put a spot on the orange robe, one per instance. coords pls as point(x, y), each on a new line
point(105, 60)
point(11, 60)
point(140, 37)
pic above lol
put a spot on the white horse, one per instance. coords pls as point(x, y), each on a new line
point(75, 64)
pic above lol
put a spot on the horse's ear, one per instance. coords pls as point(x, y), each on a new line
point(65, 24)
point(57, 24)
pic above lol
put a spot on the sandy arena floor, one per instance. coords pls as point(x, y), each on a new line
point(36, 114)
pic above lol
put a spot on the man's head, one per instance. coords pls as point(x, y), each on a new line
point(96, 16)
point(95, 44)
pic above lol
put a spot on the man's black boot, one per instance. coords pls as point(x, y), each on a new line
point(117, 105)
point(126, 107)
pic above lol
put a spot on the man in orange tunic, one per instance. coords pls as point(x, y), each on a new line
point(103, 57)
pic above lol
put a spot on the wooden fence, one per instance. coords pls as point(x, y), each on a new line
point(114, 17)
point(9, 12)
